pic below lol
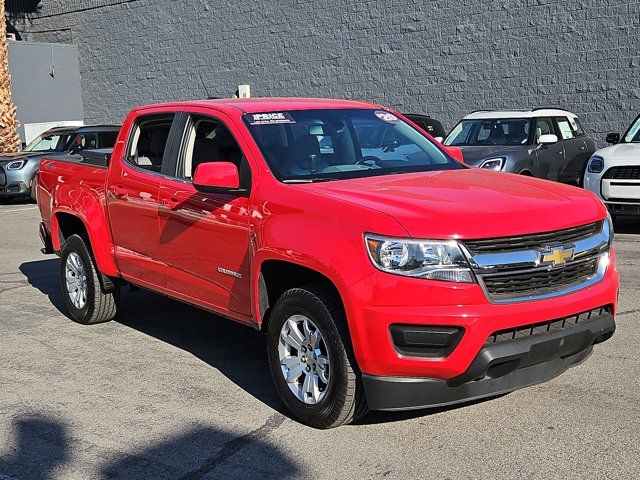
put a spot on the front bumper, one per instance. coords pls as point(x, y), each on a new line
point(381, 300)
point(498, 368)
point(12, 183)
point(621, 197)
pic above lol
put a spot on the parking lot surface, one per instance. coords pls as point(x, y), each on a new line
point(169, 391)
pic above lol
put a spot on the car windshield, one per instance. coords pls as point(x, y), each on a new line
point(633, 134)
point(497, 131)
point(58, 142)
point(321, 145)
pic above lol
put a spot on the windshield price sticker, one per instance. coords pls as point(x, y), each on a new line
point(386, 116)
point(274, 118)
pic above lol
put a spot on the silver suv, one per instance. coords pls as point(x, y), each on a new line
point(18, 171)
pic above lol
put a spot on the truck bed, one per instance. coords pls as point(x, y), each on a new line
point(66, 183)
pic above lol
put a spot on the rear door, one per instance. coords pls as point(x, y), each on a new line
point(575, 151)
point(550, 157)
point(133, 195)
point(205, 236)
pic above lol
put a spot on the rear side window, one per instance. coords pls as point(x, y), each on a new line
point(577, 127)
point(149, 140)
point(566, 132)
point(107, 139)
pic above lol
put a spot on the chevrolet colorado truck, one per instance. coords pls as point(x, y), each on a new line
point(389, 279)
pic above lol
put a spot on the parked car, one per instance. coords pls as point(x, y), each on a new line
point(430, 125)
point(544, 143)
point(17, 172)
point(613, 173)
point(382, 282)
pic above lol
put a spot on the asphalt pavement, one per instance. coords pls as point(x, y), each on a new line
point(170, 392)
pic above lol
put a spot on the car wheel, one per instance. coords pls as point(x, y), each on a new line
point(5, 200)
point(311, 358)
point(81, 286)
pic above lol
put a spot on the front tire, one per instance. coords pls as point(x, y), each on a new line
point(83, 296)
point(311, 358)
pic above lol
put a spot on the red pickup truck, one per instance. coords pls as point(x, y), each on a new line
point(386, 274)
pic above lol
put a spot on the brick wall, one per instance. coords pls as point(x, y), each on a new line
point(441, 57)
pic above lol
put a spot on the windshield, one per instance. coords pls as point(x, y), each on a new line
point(508, 131)
point(50, 143)
point(321, 145)
point(633, 134)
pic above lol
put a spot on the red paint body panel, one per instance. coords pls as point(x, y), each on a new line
point(217, 175)
point(207, 249)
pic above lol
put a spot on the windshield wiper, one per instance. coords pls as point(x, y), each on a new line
point(308, 180)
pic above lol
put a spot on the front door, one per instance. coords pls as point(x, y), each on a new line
point(132, 201)
point(550, 158)
point(205, 236)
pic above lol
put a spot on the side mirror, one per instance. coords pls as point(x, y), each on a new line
point(454, 152)
point(613, 138)
point(548, 139)
point(216, 177)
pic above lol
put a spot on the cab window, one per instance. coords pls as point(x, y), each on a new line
point(149, 140)
point(208, 140)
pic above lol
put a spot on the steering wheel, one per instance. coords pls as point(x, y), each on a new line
point(368, 158)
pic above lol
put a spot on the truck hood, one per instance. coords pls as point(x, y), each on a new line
point(474, 155)
point(468, 203)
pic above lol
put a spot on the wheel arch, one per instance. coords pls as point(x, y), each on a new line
point(276, 276)
point(66, 224)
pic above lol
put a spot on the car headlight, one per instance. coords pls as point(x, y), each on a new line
point(16, 164)
point(610, 226)
point(596, 164)
point(433, 260)
point(493, 164)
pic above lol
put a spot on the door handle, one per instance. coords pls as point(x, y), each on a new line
point(583, 148)
point(560, 153)
point(118, 191)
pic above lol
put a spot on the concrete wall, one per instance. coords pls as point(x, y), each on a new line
point(441, 57)
point(45, 84)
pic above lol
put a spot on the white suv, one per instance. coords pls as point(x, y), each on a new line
point(613, 173)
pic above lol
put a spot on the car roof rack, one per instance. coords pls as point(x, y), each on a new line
point(549, 108)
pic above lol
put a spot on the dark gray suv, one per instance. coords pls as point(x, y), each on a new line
point(544, 143)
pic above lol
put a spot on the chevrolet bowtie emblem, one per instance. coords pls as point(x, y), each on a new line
point(558, 255)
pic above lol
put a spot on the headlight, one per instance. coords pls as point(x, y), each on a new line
point(16, 165)
point(439, 260)
point(610, 225)
point(596, 164)
point(493, 164)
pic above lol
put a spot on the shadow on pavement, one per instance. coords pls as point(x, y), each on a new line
point(45, 276)
point(627, 225)
point(41, 445)
point(237, 351)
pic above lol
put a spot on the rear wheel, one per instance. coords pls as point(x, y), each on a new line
point(79, 278)
point(311, 358)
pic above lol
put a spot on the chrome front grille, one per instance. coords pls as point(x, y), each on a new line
point(532, 267)
point(539, 281)
point(623, 173)
point(536, 240)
